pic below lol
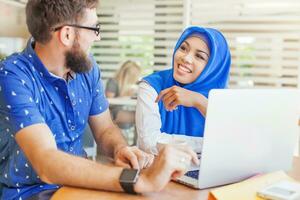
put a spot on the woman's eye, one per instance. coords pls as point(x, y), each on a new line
point(183, 48)
point(200, 57)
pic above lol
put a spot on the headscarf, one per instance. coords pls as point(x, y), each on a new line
point(188, 120)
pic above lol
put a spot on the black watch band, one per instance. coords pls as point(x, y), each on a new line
point(128, 188)
point(128, 179)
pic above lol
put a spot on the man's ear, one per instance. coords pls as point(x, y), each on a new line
point(66, 36)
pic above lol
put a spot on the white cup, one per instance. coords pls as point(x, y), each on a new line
point(176, 142)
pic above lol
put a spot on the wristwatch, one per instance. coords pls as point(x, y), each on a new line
point(128, 179)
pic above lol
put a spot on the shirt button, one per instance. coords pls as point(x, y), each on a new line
point(73, 102)
point(72, 128)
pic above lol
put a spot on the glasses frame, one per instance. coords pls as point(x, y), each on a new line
point(95, 29)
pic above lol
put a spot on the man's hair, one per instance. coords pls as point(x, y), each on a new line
point(42, 16)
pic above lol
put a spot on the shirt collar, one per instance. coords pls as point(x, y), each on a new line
point(39, 66)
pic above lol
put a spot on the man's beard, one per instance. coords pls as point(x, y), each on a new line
point(77, 60)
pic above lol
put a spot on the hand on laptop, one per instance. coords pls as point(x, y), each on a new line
point(171, 162)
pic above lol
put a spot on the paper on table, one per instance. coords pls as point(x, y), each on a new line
point(246, 190)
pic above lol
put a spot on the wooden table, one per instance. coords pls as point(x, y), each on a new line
point(174, 191)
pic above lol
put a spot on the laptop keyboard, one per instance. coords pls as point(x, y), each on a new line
point(193, 174)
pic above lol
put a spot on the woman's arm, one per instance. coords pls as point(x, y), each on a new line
point(200, 102)
point(174, 96)
point(148, 122)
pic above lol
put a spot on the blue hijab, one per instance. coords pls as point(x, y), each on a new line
point(188, 120)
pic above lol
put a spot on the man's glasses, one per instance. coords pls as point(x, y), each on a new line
point(96, 29)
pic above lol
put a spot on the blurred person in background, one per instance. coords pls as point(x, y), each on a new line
point(124, 84)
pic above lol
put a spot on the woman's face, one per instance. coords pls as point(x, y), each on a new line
point(190, 59)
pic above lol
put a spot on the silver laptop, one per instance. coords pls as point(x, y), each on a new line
point(247, 131)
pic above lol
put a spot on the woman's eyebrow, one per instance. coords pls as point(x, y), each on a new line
point(198, 50)
point(186, 43)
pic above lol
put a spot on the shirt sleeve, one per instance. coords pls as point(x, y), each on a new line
point(148, 122)
point(17, 105)
point(99, 101)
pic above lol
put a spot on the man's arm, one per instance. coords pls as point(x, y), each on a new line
point(57, 167)
point(113, 144)
point(107, 135)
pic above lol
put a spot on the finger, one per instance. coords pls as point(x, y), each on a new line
point(194, 157)
point(146, 158)
point(167, 95)
point(176, 160)
point(122, 164)
point(167, 98)
point(141, 157)
point(181, 166)
point(168, 102)
point(150, 159)
point(174, 104)
point(129, 155)
point(189, 151)
point(161, 94)
point(176, 175)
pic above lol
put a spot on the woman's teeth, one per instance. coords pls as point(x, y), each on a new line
point(185, 69)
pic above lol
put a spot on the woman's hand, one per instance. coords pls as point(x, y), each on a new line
point(174, 96)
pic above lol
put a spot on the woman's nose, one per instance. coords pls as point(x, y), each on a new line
point(188, 58)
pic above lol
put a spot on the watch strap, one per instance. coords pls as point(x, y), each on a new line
point(128, 179)
point(128, 187)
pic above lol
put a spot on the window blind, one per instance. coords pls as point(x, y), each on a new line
point(264, 38)
point(127, 29)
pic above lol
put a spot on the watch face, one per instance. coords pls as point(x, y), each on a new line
point(129, 175)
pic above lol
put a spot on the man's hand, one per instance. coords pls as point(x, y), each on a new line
point(132, 157)
point(172, 162)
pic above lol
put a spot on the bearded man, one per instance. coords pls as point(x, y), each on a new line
point(48, 94)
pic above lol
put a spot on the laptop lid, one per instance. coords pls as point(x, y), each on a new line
point(248, 131)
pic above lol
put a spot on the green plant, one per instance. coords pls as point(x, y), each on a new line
point(2, 55)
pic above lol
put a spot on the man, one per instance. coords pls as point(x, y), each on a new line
point(48, 93)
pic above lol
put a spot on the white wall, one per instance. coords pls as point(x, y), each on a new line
point(297, 149)
point(12, 21)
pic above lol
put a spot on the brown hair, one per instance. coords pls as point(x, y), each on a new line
point(44, 15)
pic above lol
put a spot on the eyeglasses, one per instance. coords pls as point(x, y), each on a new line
point(96, 29)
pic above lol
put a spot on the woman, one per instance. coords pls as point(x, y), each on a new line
point(124, 84)
point(172, 103)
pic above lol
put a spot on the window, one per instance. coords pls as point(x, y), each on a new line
point(264, 39)
point(127, 34)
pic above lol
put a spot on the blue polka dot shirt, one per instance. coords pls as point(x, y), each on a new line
point(30, 94)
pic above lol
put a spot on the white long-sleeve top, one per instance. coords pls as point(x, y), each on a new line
point(148, 123)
